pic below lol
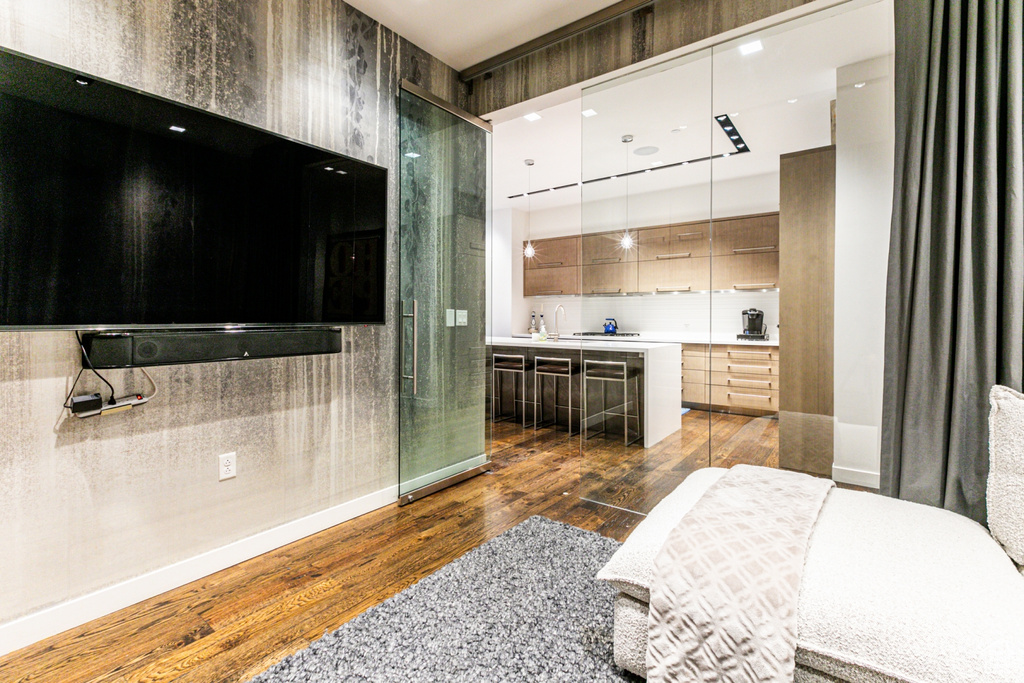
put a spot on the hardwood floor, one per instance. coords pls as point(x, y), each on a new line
point(233, 624)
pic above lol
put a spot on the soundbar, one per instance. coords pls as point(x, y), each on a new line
point(132, 349)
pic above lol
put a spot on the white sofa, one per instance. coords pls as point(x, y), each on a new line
point(891, 590)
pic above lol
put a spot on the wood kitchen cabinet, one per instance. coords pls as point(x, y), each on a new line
point(605, 248)
point(674, 275)
point(559, 281)
point(555, 252)
point(685, 240)
point(732, 378)
point(745, 235)
point(745, 271)
point(609, 278)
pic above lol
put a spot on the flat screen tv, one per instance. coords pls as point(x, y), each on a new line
point(121, 210)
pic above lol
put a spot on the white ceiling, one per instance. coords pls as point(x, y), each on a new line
point(798, 62)
point(462, 33)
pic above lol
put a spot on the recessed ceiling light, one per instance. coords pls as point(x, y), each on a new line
point(412, 155)
point(82, 80)
point(645, 151)
point(614, 177)
point(328, 168)
point(726, 128)
point(859, 85)
point(532, 116)
point(723, 117)
point(647, 170)
point(734, 137)
point(792, 101)
point(685, 163)
point(727, 154)
point(579, 183)
point(177, 129)
point(741, 145)
point(751, 48)
point(588, 113)
point(340, 172)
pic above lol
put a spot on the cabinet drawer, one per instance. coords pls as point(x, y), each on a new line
point(746, 271)
point(695, 393)
point(747, 235)
point(747, 380)
point(694, 376)
point(551, 281)
point(688, 240)
point(746, 367)
point(694, 362)
point(742, 352)
point(611, 278)
point(695, 349)
point(742, 397)
point(606, 248)
point(558, 252)
point(674, 275)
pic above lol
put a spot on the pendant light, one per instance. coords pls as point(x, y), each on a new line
point(528, 250)
point(626, 241)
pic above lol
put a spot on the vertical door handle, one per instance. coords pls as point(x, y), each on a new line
point(415, 341)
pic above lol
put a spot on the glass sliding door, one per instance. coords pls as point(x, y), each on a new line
point(444, 212)
point(646, 202)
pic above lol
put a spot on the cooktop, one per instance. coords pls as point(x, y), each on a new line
point(606, 334)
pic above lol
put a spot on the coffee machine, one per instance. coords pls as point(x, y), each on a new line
point(753, 325)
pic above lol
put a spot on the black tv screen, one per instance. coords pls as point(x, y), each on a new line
point(119, 209)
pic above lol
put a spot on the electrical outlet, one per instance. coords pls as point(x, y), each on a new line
point(228, 466)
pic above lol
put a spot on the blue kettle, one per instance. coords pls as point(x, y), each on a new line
point(611, 327)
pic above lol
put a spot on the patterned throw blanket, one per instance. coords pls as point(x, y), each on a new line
point(726, 582)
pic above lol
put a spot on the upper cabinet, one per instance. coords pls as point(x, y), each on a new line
point(731, 253)
point(554, 268)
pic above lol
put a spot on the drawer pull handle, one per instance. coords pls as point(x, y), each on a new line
point(749, 367)
point(768, 398)
point(684, 254)
point(673, 289)
point(755, 285)
point(606, 290)
point(606, 260)
point(553, 264)
point(551, 291)
point(752, 381)
point(689, 234)
point(743, 250)
point(753, 353)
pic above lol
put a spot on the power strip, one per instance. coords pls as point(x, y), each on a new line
point(120, 405)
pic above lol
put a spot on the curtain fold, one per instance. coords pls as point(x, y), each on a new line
point(955, 292)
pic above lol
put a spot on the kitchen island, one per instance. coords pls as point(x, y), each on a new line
point(657, 362)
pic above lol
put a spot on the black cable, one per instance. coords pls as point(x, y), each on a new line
point(85, 355)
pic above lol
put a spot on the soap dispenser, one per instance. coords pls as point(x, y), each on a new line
point(543, 335)
point(533, 322)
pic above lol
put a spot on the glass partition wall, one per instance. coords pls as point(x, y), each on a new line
point(716, 251)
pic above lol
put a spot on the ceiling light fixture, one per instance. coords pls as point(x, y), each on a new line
point(645, 151)
point(751, 48)
point(532, 116)
point(83, 81)
point(412, 155)
point(340, 172)
point(859, 85)
point(528, 251)
point(328, 168)
point(177, 129)
point(588, 113)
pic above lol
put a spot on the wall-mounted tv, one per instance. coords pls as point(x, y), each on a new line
point(122, 210)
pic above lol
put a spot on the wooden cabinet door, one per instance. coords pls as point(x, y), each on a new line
point(674, 275)
point(557, 252)
point(745, 271)
point(605, 248)
point(745, 235)
point(609, 278)
point(562, 281)
point(686, 240)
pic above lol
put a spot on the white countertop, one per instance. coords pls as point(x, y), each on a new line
point(668, 337)
point(592, 344)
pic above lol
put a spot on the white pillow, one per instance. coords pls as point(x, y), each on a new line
point(1006, 470)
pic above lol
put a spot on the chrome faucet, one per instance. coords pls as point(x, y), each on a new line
point(555, 316)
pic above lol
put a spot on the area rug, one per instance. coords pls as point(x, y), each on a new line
point(523, 606)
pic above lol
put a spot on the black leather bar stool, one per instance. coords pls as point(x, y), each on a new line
point(605, 371)
point(556, 368)
point(518, 365)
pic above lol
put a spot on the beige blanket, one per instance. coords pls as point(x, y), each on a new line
point(726, 582)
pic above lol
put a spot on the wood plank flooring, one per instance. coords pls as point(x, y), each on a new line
point(233, 624)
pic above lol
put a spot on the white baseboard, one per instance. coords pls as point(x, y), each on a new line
point(847, 475)
point(77, 611)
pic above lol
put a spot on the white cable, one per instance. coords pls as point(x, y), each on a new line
point(155, 390)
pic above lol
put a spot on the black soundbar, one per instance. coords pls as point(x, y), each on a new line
point(132, 349)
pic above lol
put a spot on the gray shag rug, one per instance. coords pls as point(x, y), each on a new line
point(523, 606)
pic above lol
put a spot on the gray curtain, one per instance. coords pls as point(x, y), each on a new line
point(955, 297)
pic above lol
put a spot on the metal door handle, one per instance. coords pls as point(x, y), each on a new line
point(550, 291)
point(729, 393)
point(606, 290)
point(753, 367)
point(752, 353)
point(752, 381)
point(605, 260)
point(415, 342)
point(684, 254)
point(552, 264)
point(673, 289)
point(755, 285)
point(746, 249)
point(688, 234)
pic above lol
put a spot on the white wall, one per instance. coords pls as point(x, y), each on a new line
point(864, 178)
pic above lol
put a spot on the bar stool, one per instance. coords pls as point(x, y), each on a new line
point(605, 371)
point(556, 368)
point(516, 364)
